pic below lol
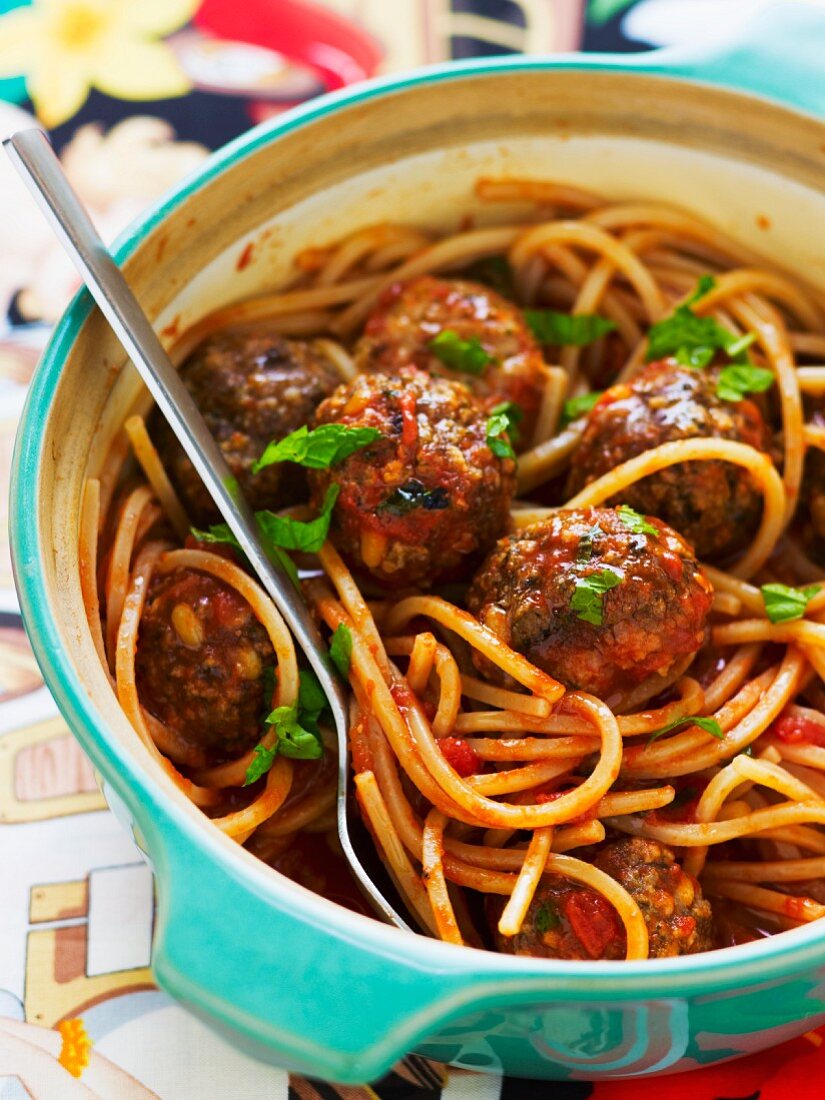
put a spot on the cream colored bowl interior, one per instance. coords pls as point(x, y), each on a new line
point(755, 171)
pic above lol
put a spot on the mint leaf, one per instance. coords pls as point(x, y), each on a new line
point(281, 532)
point(567, 329)
point(262, 760)
point(340, 649)
point(294, 534)
point(497, 427)
point(575, 407)
point(709, 725)
point(636, 522)
point(738, 380)
point(589, 593)
point(784, 604)
point(692, 340)
point(467, 356)
point(324, 446)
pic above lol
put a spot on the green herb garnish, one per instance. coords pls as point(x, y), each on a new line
point(589, 593)
point(704, 286)
point(584, 551)
point(282, 532)
point(709, 725)
point(467, 356)
point(296, 728)
point(312, 701)
point(692, 340)
point(738, 380)
point(413, 494)
point(324, 446)
point(514, 414)
point(546, 918)
point(575, 407)
point(636, 522)
point(294, 740)
point(784, 604)
point(293, 534)
point(567, 329)
point(262, 760)
point(498, 426)
point(340, 649)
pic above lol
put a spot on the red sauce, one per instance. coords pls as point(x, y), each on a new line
point(172, 329)
point(460, 756)
point(551, 796)
point(796, 907)
point(245, 258)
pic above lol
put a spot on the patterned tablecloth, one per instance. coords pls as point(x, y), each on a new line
point(80, 1015)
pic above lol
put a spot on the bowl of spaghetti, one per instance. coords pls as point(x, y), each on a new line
point(524, 383)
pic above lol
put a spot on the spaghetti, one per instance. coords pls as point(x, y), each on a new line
point(598, 689)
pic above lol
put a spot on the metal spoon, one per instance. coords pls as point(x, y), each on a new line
point(34, 159)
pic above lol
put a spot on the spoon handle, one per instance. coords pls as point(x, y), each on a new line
point(40, 168)
point(35, 160)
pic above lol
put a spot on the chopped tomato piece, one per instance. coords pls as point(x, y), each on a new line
point(594, 922)
point(797, 730)
point(460, 756)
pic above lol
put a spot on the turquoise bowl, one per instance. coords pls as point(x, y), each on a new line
point(297, 980)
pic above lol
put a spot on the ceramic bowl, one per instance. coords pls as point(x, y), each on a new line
point(298, 980)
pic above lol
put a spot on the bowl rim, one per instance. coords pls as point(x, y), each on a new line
point(773, 957)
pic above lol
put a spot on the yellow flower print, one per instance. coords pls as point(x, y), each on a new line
point(74, 1054)
point(66, 47)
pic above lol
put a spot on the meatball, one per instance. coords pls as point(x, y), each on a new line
point(410, 316)
point(252, 386)
point(425, 501)
point(564, 921)
point(569, 921)
point(715, 505)
point(200, 664)
point(601, 599)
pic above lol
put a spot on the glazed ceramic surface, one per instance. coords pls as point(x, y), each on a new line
point(301, 981)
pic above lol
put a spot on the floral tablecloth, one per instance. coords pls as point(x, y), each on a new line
point(134, 94)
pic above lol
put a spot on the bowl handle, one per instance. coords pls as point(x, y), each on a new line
point(780, 53)
point(286, 987)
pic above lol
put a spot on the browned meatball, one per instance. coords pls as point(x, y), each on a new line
point(564, 921)
point(252, 386)
point(410, 316)
point(678, 917)
point(200, 664)
point(715, 505)
point(568, 921)
point(427, 499)
point(595, 603)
